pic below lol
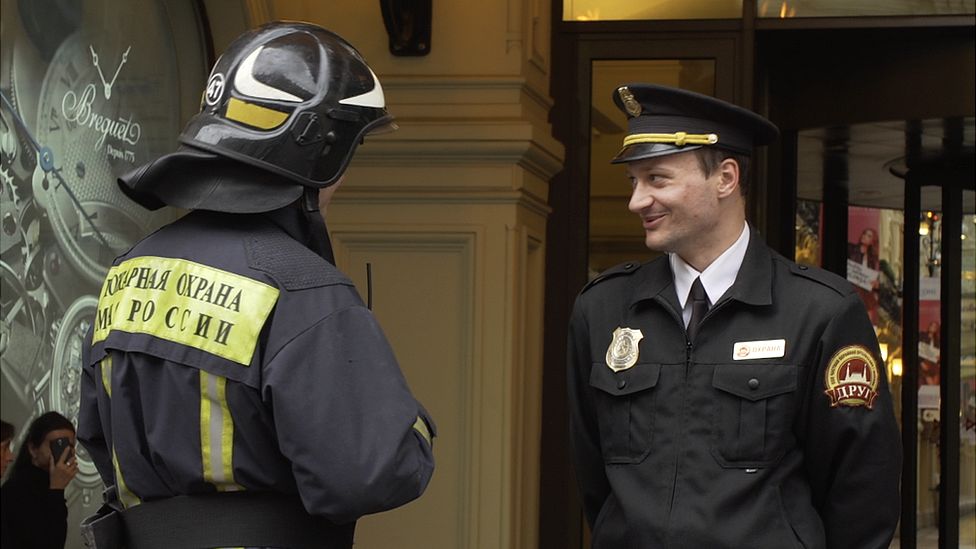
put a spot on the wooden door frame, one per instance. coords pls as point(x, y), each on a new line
point(561, 521)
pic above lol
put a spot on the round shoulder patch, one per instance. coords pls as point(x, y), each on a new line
point(852, 377)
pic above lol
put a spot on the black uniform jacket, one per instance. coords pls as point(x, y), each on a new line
point(692, 447)
point(226, 355)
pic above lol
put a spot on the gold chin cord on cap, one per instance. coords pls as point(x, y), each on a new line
point(680, 138)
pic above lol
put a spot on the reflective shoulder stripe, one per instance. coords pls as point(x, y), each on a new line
point(106, 367)
point(421, 427)
point(216, 311)
point(216, 433)
point(126, 496)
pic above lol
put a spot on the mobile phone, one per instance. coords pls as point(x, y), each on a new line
point(59, 446)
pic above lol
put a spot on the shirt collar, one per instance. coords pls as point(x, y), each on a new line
point(717, 278)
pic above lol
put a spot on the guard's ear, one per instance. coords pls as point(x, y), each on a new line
point(728, 174)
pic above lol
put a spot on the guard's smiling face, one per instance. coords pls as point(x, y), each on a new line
point(677, 204)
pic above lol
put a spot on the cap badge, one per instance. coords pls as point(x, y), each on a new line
point(852, 377)
point(632, 106)
point(623, 350)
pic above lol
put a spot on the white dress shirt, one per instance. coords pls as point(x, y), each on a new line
point(717, 278)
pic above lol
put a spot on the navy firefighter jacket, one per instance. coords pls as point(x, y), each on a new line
point(773, 428)
point(226, 355)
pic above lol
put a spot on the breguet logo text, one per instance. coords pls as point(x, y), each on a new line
point(78, 109)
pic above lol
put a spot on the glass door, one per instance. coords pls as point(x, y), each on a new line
point(909, 253)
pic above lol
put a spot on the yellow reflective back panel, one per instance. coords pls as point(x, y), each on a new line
point(216, 311)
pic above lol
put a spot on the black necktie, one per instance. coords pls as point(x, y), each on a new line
point(699, 306)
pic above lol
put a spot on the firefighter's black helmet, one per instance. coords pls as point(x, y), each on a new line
point(292, 99)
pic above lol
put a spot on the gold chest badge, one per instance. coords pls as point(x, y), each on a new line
point(852, 378)
point(623, 351)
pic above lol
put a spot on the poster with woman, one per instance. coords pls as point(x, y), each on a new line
point(929, 326)
point(863, 262)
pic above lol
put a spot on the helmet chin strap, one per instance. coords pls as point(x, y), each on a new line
point(318, 234)
point(310, 199)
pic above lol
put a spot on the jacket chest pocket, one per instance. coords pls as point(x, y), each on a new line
point(624, 407)
point(753, 412)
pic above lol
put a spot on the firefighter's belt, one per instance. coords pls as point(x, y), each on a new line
point(231, 519)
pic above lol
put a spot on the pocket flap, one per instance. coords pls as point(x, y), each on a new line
point(755, 381)
point(624, 382)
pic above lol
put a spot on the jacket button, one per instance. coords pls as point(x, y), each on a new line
point(754, 383)
point(621, 383)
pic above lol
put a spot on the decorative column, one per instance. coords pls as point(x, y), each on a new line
point(450, 213)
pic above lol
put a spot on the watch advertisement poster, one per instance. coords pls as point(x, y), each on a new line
point(89, 90)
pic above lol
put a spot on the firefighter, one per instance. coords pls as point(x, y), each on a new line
point(722, 396)
point(236, 391)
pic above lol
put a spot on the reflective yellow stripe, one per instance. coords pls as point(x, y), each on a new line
point(126, 496)
point(421, 427)
point(106, 366)
point(216, 311)
point(216, 433)
point(254, 115)
point(679, 138)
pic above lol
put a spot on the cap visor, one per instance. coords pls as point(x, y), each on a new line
point(640, 151)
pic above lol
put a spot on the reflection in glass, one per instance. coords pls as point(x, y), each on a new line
point(809, 217)
point(860, 8)
point(610, 10)
point(967, 401)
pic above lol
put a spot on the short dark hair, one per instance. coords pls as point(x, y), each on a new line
point(6, 431)
point(710, 157)
point(36, 433)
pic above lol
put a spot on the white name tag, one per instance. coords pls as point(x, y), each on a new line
point(749, 350)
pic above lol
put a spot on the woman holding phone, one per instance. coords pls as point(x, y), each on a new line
point(33, 510)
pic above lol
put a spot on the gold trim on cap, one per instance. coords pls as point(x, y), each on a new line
point(679, 138)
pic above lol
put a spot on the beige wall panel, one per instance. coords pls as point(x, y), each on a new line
point(424, 296)
point(459, 290)
point(527, 256)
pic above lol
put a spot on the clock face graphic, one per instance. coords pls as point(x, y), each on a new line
point(94, 135)
point(89, 90)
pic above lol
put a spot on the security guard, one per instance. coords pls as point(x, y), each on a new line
point(236, 391)
point(721, 395)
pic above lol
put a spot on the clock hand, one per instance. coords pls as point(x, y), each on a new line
point(105, 85)
point(64, 184)
point(20, 122)
point(108, 87)
point(46, 161)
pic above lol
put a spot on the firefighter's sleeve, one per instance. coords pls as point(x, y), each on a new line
point(852, 445)
point(584, 432)
point(358, 441)
point(90, 432)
